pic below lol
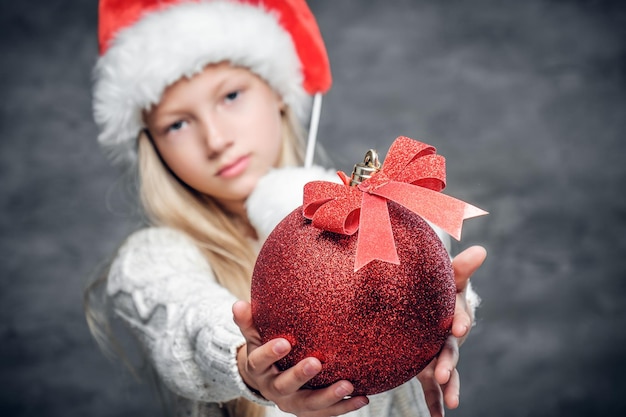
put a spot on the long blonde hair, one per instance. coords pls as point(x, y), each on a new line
point(169, 202)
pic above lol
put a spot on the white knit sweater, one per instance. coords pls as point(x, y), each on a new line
point(164, 289)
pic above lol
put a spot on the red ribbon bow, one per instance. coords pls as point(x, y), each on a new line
point(412, 176)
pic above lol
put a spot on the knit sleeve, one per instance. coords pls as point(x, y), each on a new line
point(162, 287)
point(406, 400)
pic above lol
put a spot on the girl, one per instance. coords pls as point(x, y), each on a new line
point(204, 98)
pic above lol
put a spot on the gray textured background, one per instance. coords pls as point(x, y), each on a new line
point(526, 99)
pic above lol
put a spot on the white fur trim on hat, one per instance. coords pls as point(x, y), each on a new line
point(181, 40)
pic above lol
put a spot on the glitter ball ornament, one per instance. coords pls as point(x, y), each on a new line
point(357, 278)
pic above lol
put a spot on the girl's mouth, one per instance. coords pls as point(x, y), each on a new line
point(235, 168)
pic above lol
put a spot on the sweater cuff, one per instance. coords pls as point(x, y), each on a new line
point(216, 355)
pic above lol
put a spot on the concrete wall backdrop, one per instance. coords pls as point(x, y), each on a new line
point(526, 99)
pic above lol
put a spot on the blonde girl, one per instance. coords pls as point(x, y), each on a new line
point(204, 99)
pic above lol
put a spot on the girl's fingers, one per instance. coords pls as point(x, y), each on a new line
point(262, 359)
point(348, 405)
point(330, 400)
point(432, 390)
point(242, 314)
point(466, 263)
point(462, 322)
point(343, 406)
point(447, 361)
point(292, 379)
point(451, 390)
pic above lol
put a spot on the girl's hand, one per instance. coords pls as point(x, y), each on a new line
point(256, 366)
point(440, 379)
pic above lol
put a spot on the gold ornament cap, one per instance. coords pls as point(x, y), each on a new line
point(365, 169)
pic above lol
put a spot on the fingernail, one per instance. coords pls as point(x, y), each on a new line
point(342, 391)
point(310, 369)
point(361, 403)
point(281, 347)
point(460, 331)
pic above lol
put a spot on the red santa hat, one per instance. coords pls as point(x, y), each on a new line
point(147, 45)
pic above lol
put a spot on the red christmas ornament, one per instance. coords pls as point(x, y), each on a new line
point(375, 307)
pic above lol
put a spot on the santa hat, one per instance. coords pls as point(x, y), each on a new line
point(147, 45)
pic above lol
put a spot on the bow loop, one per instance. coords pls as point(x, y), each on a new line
point(402, 152)
point(332, 207)
point(427, 171)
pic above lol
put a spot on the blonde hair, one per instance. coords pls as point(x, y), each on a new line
point(169, 202)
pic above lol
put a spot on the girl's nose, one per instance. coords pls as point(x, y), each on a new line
point(216, 136)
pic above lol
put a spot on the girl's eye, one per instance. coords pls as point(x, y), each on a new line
point(232, 96)
point(176, 126)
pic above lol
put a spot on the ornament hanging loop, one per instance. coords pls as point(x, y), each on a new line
point(365, 169)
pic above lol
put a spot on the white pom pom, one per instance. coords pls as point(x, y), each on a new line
point(279, 193)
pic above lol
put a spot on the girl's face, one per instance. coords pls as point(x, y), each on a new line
point(219, 132)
